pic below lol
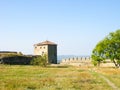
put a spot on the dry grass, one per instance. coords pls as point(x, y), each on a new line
point(53, 78)
point(113, 74)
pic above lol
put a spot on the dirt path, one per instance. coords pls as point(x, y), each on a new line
point(109, 83)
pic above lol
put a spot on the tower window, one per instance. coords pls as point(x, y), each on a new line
point(42, 53)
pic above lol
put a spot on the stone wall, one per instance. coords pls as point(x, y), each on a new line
point(16, 60)
point(77, 61)
point(84, 61)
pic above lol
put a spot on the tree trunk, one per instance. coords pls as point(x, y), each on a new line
point(116, 65)
point(98, 63)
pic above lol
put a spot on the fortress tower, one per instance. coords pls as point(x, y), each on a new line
point(49, 48)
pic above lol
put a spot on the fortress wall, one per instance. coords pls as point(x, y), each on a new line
point(76, 59)
point(84, 61)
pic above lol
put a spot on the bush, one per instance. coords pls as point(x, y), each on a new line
point(39, 60)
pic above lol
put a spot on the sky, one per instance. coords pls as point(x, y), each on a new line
point(75, 25)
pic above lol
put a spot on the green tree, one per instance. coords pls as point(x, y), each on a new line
point(39, 60)
point(108, 48)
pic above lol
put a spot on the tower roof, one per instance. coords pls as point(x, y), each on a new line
point(46, 43)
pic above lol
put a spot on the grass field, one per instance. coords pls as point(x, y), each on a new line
point(57, 78)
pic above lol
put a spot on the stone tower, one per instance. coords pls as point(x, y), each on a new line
point(49, 48)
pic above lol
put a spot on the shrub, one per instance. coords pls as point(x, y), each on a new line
point(39, 60)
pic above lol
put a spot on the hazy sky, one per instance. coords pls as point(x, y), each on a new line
point(75, 25)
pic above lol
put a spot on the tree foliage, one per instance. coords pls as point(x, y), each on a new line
point(39, 60)
point(108, 48)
